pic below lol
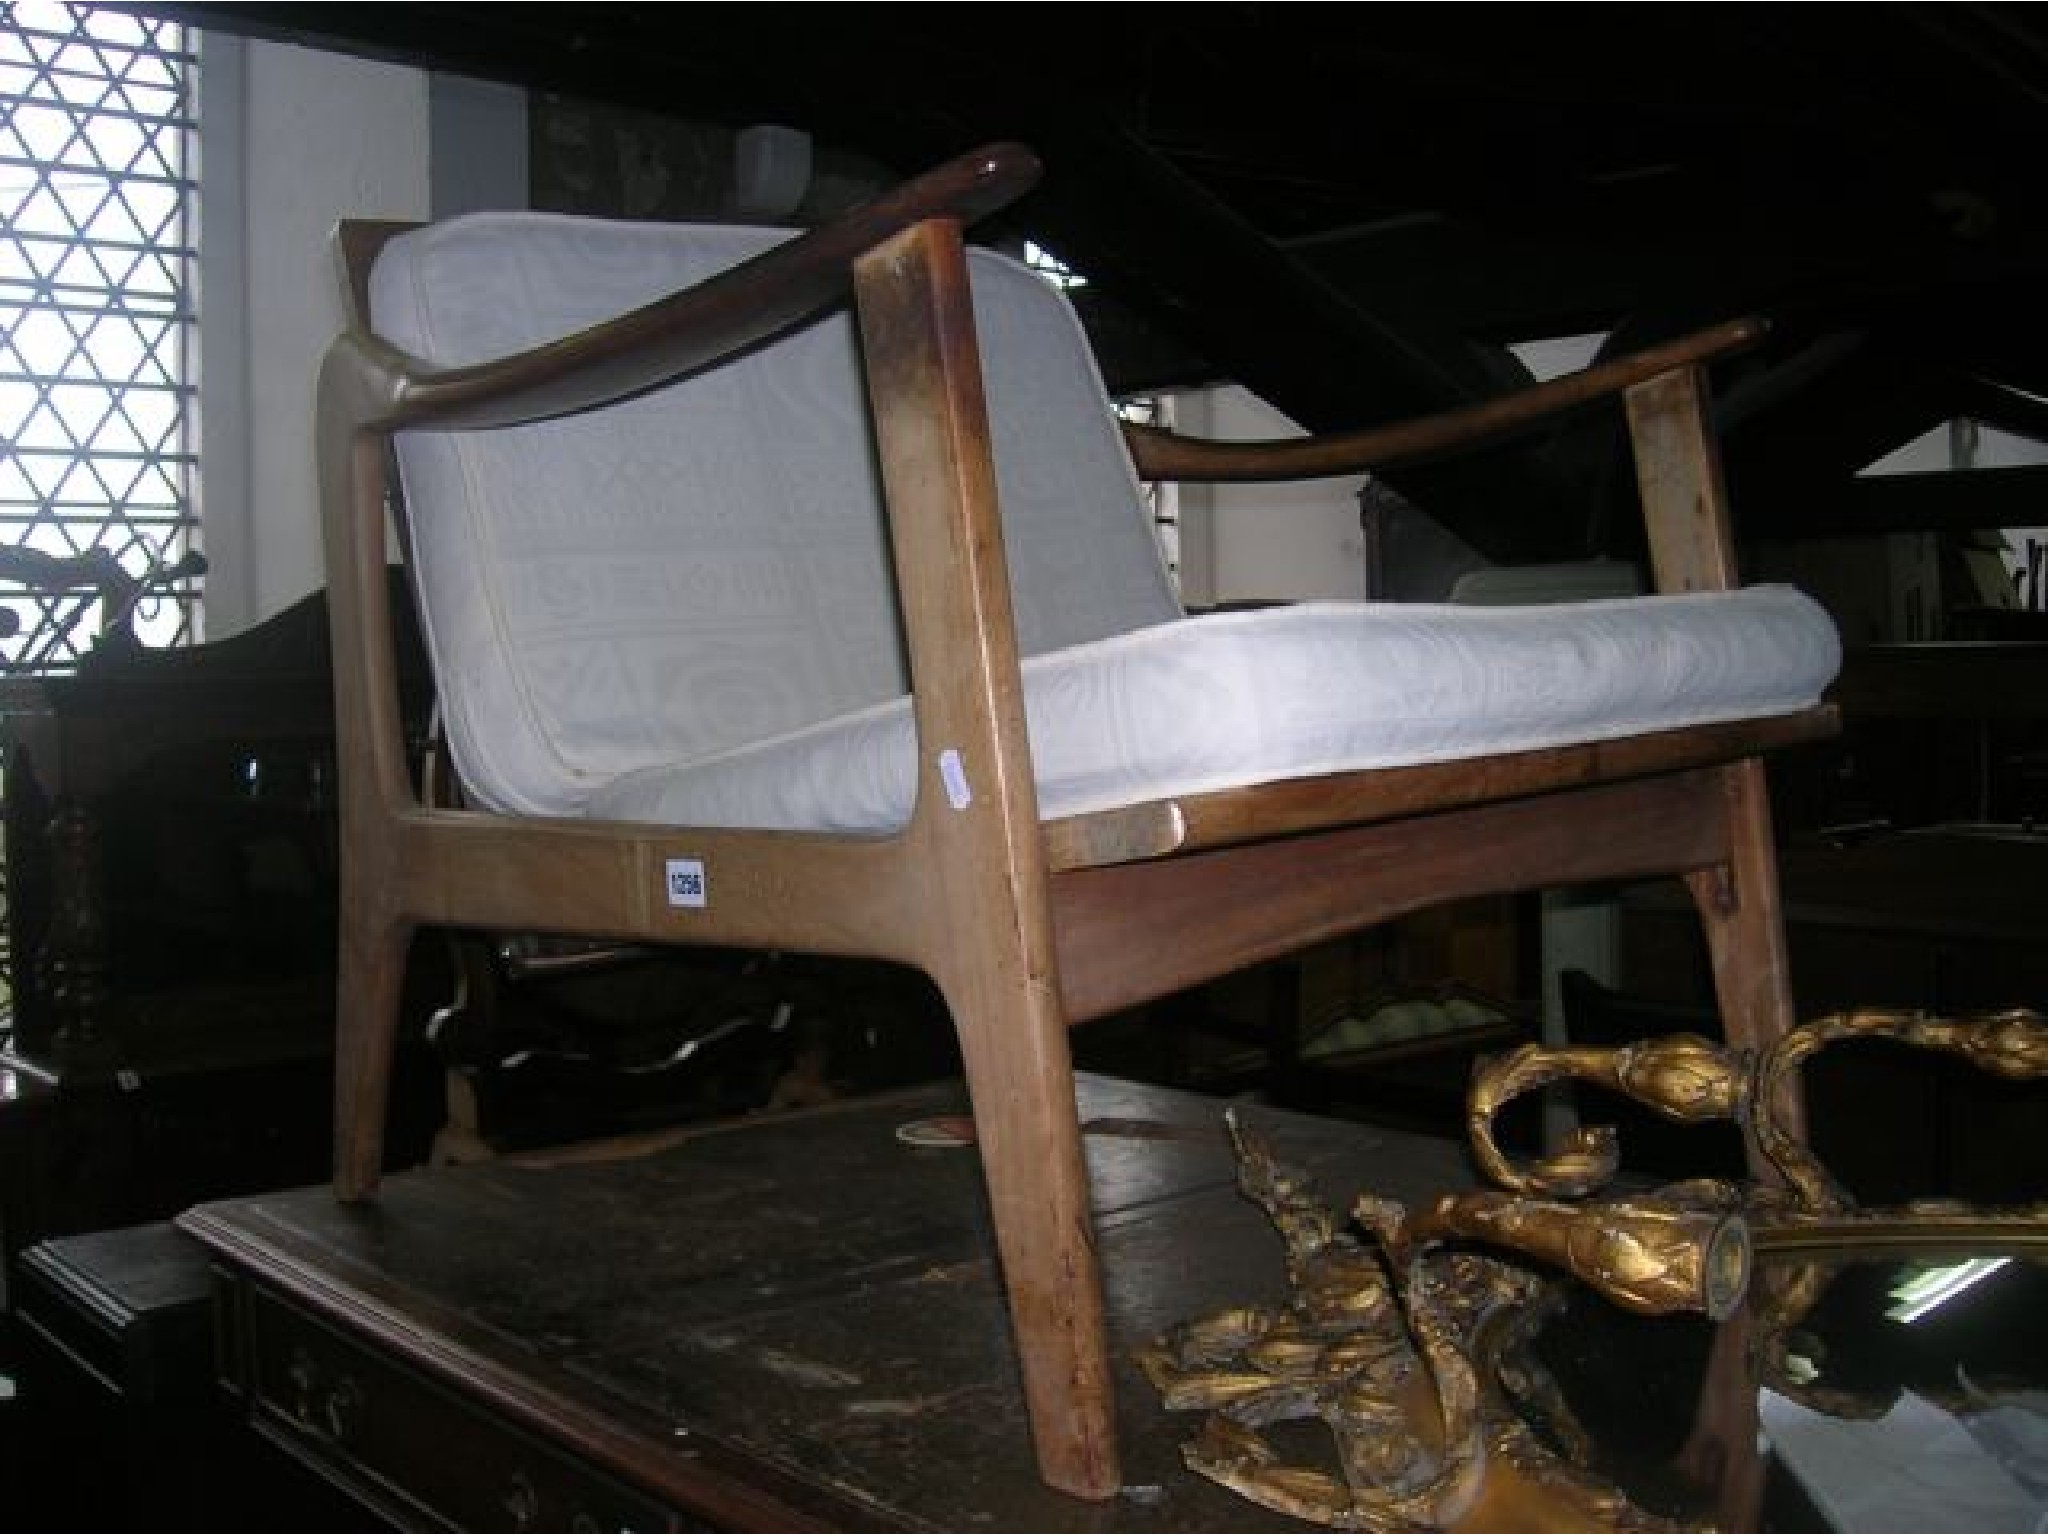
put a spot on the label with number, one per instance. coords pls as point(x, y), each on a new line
point(686, 886)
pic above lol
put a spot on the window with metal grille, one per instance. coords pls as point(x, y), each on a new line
point(98, 224)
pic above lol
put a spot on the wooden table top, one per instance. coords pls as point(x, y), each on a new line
point(807, 1304)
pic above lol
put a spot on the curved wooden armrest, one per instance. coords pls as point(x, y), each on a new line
point(694, 327)
point(1163, 455)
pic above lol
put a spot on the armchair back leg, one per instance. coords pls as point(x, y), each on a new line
point(1743, 915)
point(976, 853)
point(374, 945)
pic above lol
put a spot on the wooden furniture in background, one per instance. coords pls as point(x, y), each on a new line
point(170, 877)
point(118, 1422)
point(185, 1121)
point(1946, 919)
point(1933, 734)
point(170, 841)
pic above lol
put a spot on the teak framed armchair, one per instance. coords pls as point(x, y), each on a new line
point(795, 591)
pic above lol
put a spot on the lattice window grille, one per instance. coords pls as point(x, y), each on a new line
point(98, 268)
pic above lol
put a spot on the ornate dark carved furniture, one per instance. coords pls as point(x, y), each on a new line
point(117, 1421)
point(170, 867)
point(748, 660)
point(170, 839)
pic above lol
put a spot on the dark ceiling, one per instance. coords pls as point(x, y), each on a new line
point(1352, 208)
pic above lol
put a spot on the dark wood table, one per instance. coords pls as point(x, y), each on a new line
point(787, 1324)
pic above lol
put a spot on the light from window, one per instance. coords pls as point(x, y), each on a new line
point(1162, 497)
point(97, 325)
point(1051, 268)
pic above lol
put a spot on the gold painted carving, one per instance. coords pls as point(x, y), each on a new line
point(1689, 1079)
point(1396, 1342)
point(1404, 1334)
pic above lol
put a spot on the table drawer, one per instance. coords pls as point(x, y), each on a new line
point(410, 1445)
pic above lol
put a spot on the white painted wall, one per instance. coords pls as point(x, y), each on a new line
point(1249, 542)
point(321, 135)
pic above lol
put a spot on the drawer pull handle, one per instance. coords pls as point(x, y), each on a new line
point(333, 1413)
point(343, 1408)
point(522, 1504)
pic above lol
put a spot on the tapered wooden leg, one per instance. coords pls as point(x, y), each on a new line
point(1740, 906)
point(372, 975)
point(1020, 1080)
point(975, 848)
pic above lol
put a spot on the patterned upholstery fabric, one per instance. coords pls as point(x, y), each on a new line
point(680, 609)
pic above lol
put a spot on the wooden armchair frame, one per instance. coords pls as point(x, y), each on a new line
point(1027, 927)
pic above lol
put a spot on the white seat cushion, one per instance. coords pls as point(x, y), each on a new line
point(1227, 699)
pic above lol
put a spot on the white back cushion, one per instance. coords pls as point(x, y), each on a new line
point(705, 567)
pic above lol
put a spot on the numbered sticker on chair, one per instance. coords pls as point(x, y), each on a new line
point(953, 774)
point(686, 887)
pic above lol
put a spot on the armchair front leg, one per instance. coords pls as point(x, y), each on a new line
point(987, 923)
